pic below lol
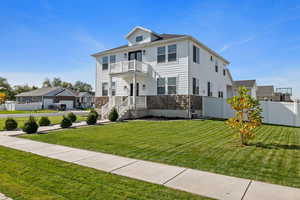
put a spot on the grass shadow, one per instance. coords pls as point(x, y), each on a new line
point(275, 146)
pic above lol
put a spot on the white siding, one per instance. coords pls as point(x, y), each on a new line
point(205, 72)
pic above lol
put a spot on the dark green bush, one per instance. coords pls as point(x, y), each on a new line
point(10, 124)
point(91, 119)
point(113, 115)
point(65, 122)
point(72, 117)
point(95, 112)
point(30, 126)
point(44, 121)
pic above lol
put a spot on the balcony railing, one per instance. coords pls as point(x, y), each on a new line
point(129, 66)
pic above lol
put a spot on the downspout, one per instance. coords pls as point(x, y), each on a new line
point(189, 98)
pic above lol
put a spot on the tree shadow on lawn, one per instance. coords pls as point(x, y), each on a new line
point(275, 146)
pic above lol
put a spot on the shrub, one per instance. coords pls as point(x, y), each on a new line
point(10, 124)
point(44, 121)
point(30, 126)
point(113, 115)
point(72, 117)
point(91, 119)
point(95, 112)
point(65, 122)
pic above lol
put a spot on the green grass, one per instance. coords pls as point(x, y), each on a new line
point(22, 120)
point(273, 156)
point(26, 111)
point(27, 176)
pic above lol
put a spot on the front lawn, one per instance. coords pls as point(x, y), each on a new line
point(26, 111)
point(274, 155)
point(22, 120)
point(27, 176)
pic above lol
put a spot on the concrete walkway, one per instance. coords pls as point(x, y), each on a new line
point(194, 181)
point(61, 113)
point(3, 197)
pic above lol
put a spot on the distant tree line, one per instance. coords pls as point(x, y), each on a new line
point(11, 91)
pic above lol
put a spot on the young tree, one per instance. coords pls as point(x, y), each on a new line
point(247, 115)
point(82, 87)
point(6, 89)
point(56, 82)
point(2, 97)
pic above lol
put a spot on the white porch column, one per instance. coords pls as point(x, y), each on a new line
point(134, 83)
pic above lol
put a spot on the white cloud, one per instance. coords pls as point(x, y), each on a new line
point(236, 43)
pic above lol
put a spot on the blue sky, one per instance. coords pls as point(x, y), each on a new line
point(50, 38)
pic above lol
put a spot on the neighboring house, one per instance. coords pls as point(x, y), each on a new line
point(267, 93)
point(52, 97)
point(84, 100)
point(249, 84)
point(161, 73)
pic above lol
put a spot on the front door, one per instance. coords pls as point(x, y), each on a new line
point(135, 55)
point(131, 89)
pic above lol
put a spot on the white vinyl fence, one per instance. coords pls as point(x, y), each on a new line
point(29, 106)
point(2, 107)
point(281, 113)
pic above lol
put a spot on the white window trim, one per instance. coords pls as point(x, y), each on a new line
point(166, 54)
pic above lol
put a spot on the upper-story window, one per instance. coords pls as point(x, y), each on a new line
point(209, 89)
point(161, 86)
point(220, 94)
point(172, 83)
point(112, 59)
point(224, 72)
point(139, 38)
point(161, 54)
point(105, 63)
point(211, 58)
point(113, 88)
point(172, 52)
point(196, 54)
point(216, 67)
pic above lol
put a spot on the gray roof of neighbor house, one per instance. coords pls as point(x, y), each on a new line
point(245, 83)
point(41, 92)
point(265, 90)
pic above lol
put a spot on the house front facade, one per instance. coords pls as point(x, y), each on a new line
point(156, 67)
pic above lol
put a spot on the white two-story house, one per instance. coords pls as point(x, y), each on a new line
point(161, 74)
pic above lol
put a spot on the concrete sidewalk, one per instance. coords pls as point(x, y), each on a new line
point(194, 181)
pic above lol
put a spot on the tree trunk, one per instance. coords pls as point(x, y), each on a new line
point(243, 139)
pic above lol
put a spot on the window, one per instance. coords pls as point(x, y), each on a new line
point(220, 94)
point(161, 86)
point(172, 49)
point(172, 85)
point(104, 89)
point(196, 86)
point(112, 59)
point(196, 54)
point(161, 54)
point(216, 67)
point(105, 63)
point(211, 58)
point(139, 38)
point(209, 93)
point(113, 88)
point(224, 72)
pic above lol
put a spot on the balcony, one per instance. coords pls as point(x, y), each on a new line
point(130, 67)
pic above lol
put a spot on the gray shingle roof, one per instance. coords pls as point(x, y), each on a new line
point(245, 83)
point(41, 92)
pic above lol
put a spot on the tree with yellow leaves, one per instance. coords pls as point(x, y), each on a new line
point(2, 97)
point(247, 115)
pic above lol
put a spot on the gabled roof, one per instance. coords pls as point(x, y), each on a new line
point(265, 90)
point(140, 28)
point(160, 38)
point(41, 92)
point(245, 83)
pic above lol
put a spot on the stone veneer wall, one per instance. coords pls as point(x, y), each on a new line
point(100, 101)
point(174, 102)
